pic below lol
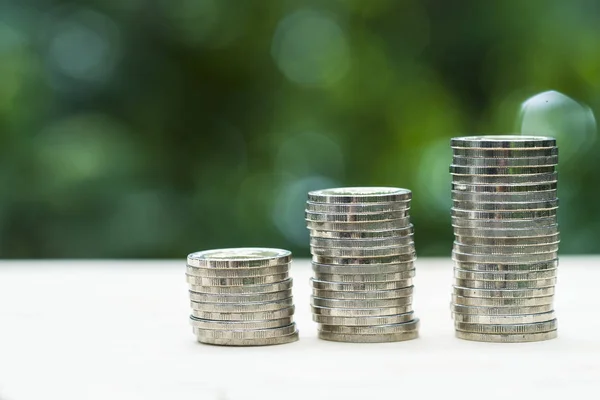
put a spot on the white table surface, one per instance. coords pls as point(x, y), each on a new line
point(119, 330)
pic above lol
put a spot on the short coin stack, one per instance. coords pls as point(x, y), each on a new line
point(241, 296)
point(363, 262)
point(505, 252)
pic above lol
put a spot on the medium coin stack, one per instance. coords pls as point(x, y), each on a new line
point(505, 251)
point(241, 296)
point(363, 263)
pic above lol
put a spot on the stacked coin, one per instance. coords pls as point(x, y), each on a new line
point(363, 261)
point(505, 251)
point(241, 296)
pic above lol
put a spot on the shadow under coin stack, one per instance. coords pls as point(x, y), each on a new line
point(241, 297)
point(363, 263)
point(505, 252)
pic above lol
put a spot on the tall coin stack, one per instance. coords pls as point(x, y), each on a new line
point(363, 263)
point(505, 251)
point(241, 296)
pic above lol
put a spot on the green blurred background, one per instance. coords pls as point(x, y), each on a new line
point(151, 129)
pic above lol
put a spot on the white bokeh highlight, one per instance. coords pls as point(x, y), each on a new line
point(554, 114)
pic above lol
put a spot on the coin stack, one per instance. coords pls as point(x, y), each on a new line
point(241, 296)
point(505, 251)
point(363, 263)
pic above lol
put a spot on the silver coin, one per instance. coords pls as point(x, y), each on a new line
point(355, 252)
point(507, 233)
point(357, 208)
point(504, 153)
point(532, 284)
point(360, 312)
point(506, 267)
point(504, 179)
point(504, 276)
point(507, 329)
point(409, 326)
point(348, 304)
point(243, 307)
point(505, 259)
point(393, 224)
point(462, 170)
point(363, 295)
point(547, 195)
point(500, 311)
point(405, 276)
point(504, 224)
point(360, 286)
point(500, 242)
point(364, 321)
point(402, 258)
point(257, 280)
point(362, 243)
point(242, 290)
point(359, 195)
point(516, 338)
point(504, 293)
point(498, 250)
point(494, 215)
point(503, 142)
point(244, 257)
point(372, 217)
point(500, 207)
point(239, 298)
point(381, 234)
point(363, 269)
point(250, 342)
point(239, 325)
point(246, 334)
point(504, 319)
point(392, 337)
point(244, 316)
point(502, 302)
point(237, 272)
point(505, 162)
point(540, 187)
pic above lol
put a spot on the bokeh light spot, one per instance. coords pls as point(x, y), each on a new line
point(84, 147)
point(554, 114)
point(288, 213)
point(310, 48)
point(83, 45)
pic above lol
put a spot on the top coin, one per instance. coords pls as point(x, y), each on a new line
point(503, 142)
point(243, 257)
point(359, 195)
point(504, 153)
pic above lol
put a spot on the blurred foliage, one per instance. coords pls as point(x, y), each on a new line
point(154, 128)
